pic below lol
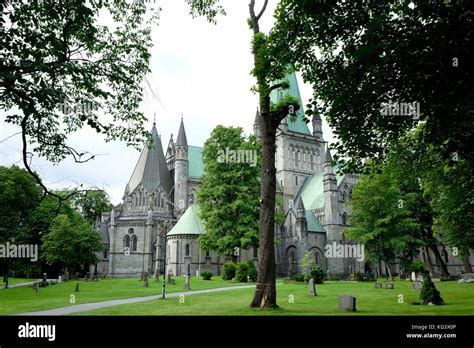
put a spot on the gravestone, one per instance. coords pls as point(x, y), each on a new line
point(60, 279)
point(45, 278)
point(171, 280)
point(347, 303)
point(390, 285)
point(186, 282)
point(312, 288)
point(66, 276)
point(145, 280)
point(378, 285)
point(413, 276)
point(416, 285)
point(77, 288)
point(420, 278)
point(36, 287)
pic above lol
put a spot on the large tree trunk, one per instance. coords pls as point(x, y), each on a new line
point(439, 259)
point(387, 269)
point(265, 293)
point(427, 260)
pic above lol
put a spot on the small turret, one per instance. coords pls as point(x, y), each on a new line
point(256, 124)
point(181, 171)
point(317, 125)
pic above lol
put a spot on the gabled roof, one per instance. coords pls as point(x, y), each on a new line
point(314, 225)
point(189, 224)
point(151, 169)
point(298, 125)
point(312, 191)
point(196, 165)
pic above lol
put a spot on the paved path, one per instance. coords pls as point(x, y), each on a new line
point(97, 305)
point(24, 284)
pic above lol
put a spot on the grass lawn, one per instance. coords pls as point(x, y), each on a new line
point(459, 300)
point(24, 299)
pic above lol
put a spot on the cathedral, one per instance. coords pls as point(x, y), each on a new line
point(157, 225)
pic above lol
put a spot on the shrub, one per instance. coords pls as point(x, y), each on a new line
point(317, 274)
point(228, 271)
point(252, 271)
point(299, 277)
point(416, 266)
point(206, 275)
point(242, 272)
point(429, 293)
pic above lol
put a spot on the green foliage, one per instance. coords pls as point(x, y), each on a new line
point(416, 266)
point(71, 243)
point(307, 262)
point(317, 274)
point(241, 272)
point(228, 272)
point(91, 204)
point(60, 66)
point(206, 275)
point(252, 271)
point(229, 192)
point(429, 293)
point(209, 9)
point(299, 277)
point(368, 54)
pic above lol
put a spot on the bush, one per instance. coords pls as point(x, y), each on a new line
point(206, 275)
point(252, 271)
point(242, 272)
point(317, 274)
point(299, 277)
point(228, 271)
point(429, 293)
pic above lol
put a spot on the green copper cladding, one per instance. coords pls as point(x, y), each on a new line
point(299, 125)
point(189, 224)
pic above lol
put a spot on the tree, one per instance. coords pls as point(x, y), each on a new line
point(268, 68)
point(429, 293)
point(229, 193)
point(361, 55)
point(381, 218)
point(71, 243)
point(91, 204)
point(60, 67)
point(19, 196)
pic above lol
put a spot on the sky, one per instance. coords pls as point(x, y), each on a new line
point(199, 71)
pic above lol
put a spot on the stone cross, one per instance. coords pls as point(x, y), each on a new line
point(186, 283)
point(312, 288)
point(347, 303)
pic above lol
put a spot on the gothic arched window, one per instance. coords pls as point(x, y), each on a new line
point(344, 219)
point(126, 241)
point(133, 242)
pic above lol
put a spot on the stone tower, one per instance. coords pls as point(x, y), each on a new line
point(331, 213)
point(256, 124)
point(181, 172)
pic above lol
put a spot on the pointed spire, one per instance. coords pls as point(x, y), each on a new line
point(316, 115)
point(327, 155)
point(257, 118)
point(181, 138)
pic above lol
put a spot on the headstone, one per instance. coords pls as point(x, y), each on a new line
point(390, 285)
point(413, 276)
point(77, 288)
point(416, 285)
point(347, 303)
point(378, 285)
point(312, 288)
point(186, 282)
point(45, 278)
point(60, 279)
point(36, 287)
point(66, 276)
point(145, 280)
point(420, 278)
point(170, 278)
point(197, 273)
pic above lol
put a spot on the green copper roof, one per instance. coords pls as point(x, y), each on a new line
point(312, 191)
point(189, 223)
point(196, 165)
point(151, 168)
point(299, 125)
point(314, 225)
